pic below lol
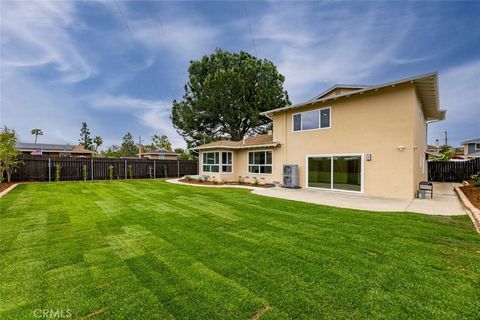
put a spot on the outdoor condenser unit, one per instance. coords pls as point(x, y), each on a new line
point(290, 176)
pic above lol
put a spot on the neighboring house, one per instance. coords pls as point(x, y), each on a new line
point(53, 150)
point(161, 154)
point(471, 148)
point(360, 139)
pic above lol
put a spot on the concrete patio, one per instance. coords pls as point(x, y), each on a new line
point(445, 201)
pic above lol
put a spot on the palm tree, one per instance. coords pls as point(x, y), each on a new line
point(98, 142)
point(37, 132)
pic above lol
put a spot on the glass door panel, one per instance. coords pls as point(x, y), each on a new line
point(347, 173)
point(320, 172)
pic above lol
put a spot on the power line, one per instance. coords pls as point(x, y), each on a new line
point(124, 19)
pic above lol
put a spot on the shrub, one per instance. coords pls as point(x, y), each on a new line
point(130, 171)
point(84, 172)
point(188, 178)
point(58, 171)
point(241, 180)
point(205, 178)
point(110, 172)
point(165, 170)
point(150, 172)
point(255, 181)
point(214, 180)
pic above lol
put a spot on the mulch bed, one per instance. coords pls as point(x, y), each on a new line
point(472, 192)
point(5, 185)
point(195, 181)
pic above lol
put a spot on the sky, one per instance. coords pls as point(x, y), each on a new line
point(118, 65)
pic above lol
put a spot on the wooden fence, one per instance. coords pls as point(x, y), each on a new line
point(454, 171)
point(44, 169)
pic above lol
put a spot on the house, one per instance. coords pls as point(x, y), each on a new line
point(53, 150)
point(361, 139)
point(471, 148)
point(160, 154)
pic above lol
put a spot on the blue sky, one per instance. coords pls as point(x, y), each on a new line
point(119, 65)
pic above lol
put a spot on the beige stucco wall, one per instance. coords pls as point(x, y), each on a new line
point(375, 123)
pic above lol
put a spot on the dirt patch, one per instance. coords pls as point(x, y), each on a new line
point(211, 183)
point(472, 192)
point(260, 312)
point(5, 185)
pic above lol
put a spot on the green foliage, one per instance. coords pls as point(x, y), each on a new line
point(165, 170)
point(128, 148)
point(98, 142)
point(85, 139)
point(255, 181)
point(241, 180)
point(188, 178)
point(185, 154)
point(159, 142)
point(111, 152)
point(9, 161)
point(150, 172)
point(84, 172)
point(130, 171)
point(110, 172)
point(224, 96)
point(36, 132)
point(58, 171)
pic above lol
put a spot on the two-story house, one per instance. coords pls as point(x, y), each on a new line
point(471, 148)
point(362, 139)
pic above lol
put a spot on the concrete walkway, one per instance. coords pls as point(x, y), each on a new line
point(445, 201)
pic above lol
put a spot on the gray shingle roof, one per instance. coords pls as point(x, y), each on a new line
point(476, 140)
point(49, 146)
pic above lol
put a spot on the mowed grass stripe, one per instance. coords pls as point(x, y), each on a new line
point(149, 249)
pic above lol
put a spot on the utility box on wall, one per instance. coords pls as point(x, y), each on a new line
point(290, 176)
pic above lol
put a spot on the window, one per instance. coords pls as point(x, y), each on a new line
point(312, 120)
point(477, 146)
point(260, 162)
point(226, 162)
point(210, 162)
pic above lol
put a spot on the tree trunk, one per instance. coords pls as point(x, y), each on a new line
point(9, 175)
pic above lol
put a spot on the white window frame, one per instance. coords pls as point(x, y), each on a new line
point(477, 146)
point(215, 157)
point(362, 170)
point(319, 120)
point(264, 165)
point(226, 164)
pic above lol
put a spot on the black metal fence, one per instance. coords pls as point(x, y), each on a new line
point(454, 171)
point(45, 169)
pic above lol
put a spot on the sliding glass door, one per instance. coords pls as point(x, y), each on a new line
point(335, 172)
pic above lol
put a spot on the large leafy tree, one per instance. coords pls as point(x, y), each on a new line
point(8, 155)
point(98, 142)
point(224, 96)
point(160, 142)
point(128, 148)
point(85, 138)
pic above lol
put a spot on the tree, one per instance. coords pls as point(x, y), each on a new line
point(185, 154)
point(98, 142)
point(224, 96)
point(160, 142)
point(85, 139)
point(8, 155)
point(111, 152)
point(128, 148)
point(36, 133)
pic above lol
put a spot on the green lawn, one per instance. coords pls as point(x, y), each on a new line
point(153, 250)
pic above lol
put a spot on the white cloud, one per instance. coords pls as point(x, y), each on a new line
point(154, 114)
point(344, 47)
point(35, 33)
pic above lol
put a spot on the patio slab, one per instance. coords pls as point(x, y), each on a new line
point(444, 202)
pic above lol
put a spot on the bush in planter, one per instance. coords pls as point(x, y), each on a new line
point(130, 171)
point(205, 178)
point(150, 172)
point(84, 172)
point(58, 171)
point(188, 178)
point(110, 172)
point(255, 183)
point(241, 180)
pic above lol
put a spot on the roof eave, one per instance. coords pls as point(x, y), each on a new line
point(265, 145)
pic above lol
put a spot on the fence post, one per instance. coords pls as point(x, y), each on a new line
point(178, 169)
point(92, 168)
point(49, 170)
point(125, 169)
point(154, 170)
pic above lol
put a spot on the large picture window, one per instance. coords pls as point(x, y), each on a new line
point(210, 162)
point(260, 162)
point(214, 161)
point(312, 120)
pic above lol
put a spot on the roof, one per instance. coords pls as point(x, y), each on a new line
point(50, 147)
point(426, 86)
point(339, 86)
point(476, 140)
point(262, 140)
point(160, 151)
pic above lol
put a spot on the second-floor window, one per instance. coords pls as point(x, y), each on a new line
point(311, 120)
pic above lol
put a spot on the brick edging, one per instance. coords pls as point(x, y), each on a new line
point(4, 192)
point(472, 211)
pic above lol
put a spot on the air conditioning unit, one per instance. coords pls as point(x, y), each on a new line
point(290, 176)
